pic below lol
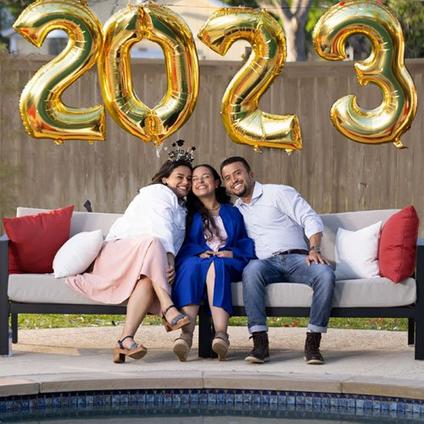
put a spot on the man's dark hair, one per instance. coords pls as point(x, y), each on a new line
point(234, 159)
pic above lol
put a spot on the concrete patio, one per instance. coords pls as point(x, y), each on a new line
point(76, 359)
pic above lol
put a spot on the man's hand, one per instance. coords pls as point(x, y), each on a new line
point(315, 257)
point(224, 254)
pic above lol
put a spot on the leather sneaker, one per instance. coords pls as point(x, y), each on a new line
point(312, 353)
point(260, 352)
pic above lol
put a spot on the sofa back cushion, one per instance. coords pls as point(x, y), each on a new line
point(398, 245)
point(35, 238)
point(81, 221)
point(351, 221)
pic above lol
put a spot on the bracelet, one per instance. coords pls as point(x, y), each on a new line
point(317, 249)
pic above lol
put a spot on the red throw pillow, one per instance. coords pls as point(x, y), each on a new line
point(35, 239)
point(398, 244)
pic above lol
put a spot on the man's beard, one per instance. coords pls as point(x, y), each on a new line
point(243, 192)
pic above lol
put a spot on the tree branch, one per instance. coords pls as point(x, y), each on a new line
point(302, 11)
point(286, 10)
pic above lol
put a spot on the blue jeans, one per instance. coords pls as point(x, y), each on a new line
point(291, 268)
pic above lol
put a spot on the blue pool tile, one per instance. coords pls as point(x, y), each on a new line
point(282, 399)
point(238, 398)
point(247, 398)
point(368, 404)
point(203, 398)
point(194, 397)
point(219, 398)
point(351, 403)
point(244, 402)
point(150, 398)
point(401, 407)
point(325, 402)
point(229, 398)
point(385, 406)
point(316, 402)
point(273, 399)
point(291, 400)
point(211, 398)
point(300, 400)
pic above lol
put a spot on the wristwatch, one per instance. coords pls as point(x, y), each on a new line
point(317, 248)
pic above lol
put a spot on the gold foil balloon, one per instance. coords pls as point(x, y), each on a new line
point(43, 113)
point(242, 119)
point(160, 25)
point(384, 67)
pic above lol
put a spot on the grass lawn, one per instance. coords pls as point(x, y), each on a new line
point(31, 321)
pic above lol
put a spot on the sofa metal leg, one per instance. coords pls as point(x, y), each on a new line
point(205, 333)
point(419, 338)
point(14, 328)
point(411, 331)
point(4, 333)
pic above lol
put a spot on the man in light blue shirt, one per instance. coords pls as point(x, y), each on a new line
point(277, 218)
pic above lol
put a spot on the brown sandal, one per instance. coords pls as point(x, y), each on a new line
point(135, 351)
point(220, 345)
point(176, 323)
point(182, 346)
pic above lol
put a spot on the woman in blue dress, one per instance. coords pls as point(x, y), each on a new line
point(214, 253)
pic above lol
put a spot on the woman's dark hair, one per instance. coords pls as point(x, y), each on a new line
point(195, 205)
point(166, 170)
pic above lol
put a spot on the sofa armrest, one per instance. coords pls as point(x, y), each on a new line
point(419, 275)
point(4, 268)
point(4, 298)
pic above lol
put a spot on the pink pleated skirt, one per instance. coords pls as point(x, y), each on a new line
point(119, 266)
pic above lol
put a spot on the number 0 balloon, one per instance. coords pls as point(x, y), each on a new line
point(384, 67)
point(158, 24)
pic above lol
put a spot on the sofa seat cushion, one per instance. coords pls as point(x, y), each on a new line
point(44, 288)
point(372, 292)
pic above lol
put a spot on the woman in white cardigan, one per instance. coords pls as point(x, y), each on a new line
point(136, 263)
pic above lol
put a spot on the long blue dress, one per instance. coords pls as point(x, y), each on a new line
point(189, 287)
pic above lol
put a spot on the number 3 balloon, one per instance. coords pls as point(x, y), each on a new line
point(384, 67)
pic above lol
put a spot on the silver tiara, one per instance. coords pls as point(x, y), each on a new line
point(178, 153)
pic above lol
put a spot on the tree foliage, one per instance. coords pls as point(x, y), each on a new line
point(411, 16)
point(409, 12)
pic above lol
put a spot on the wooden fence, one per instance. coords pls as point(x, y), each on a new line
point(333, 173)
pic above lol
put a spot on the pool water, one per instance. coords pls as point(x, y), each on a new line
point(207, 415)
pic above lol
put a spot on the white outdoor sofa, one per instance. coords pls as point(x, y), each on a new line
point(377, 297)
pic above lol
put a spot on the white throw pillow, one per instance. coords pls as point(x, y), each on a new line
point(76, 255)
point(356, 253)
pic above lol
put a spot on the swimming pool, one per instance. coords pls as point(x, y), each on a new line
point(211, 406)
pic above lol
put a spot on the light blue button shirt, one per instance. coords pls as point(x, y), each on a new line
point(278, 219)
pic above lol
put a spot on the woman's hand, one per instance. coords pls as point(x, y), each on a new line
point(206, 254)
point(170, 272)
point(224, 254)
